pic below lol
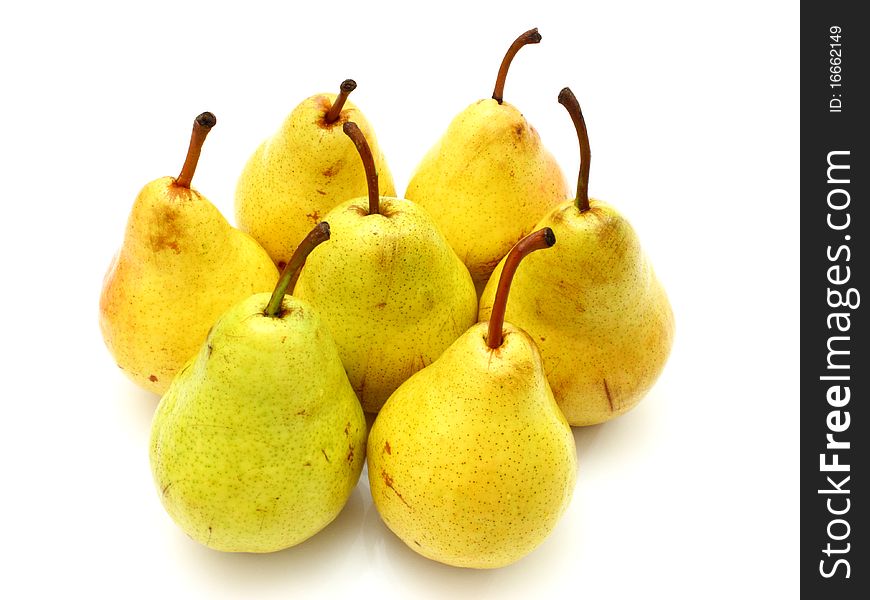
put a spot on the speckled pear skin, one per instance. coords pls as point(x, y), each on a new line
point(486, 183)
point(299, 174)
point(470, 461)
point(260, 440)
point(603, 322)
point(393, 293)
point(181, 265)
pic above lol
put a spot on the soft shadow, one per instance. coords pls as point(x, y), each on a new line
point(370, 420)
point(620, 440)
point(585, 438)
point(136, 404)
point(421, 576)
point(303, 565)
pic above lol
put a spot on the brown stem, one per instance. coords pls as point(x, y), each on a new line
point(201, 126)
point(542, 238)
point(316, 236)
point(362, 146)
point(529, 37)
point(295, 277)
point(347, 86)
point(569, 101)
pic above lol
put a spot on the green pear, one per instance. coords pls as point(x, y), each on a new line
point(489, 179)
point(606, 331)
point(259, 441)
point(299, 174)
point(470, 461)
point(181, 265)
point(393, 293)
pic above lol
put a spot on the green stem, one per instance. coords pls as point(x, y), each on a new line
point(316, 236)
point(529, 37)
point(347, 86)
point(352, 131)
point(537, 240)
point(201, 126)
point(569, 101)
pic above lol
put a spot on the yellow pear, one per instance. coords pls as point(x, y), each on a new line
point(180, 266)
point(605, 331)
point(259, 441)
point(299, 174)
point(489, 179)
point(470, 462)
point(388, 285)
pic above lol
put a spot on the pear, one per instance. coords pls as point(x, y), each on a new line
point(180, 266)
point(470, 461)
point(489, 179)
point(259, 441)
point(606, 331)
point(393, 293)
point(308, 167)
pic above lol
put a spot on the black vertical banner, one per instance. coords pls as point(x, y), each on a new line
point(835, 369)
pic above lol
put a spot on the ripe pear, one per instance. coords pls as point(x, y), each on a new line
point(607, 330)
point(259, 441)
point(181, 265)
point(470, 461)
point(393, 293)
point(308, 167)
point(489, 179)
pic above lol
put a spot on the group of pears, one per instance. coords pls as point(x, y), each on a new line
point(383, 305)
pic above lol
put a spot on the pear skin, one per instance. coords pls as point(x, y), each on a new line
point(486, 183)
point(393, 293)
point(259, 441)
point(390, 288)
point(471, 463)
point(489, 179)
point(181, 265)
point(606, 331)
point(303, 171)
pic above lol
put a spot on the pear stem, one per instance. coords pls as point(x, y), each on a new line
point(537, 240)
point(201, 126)
point(290, 274)
point(291, 286)
point(569, 101)
point(347, 86)
point(529, 37)
point(352, 131)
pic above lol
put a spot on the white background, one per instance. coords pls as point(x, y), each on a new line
point(693, 117)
